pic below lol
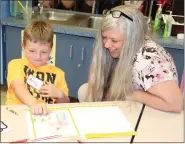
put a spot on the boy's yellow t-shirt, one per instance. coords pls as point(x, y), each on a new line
point(20, 69)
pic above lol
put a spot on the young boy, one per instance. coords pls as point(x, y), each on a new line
point(37, 45)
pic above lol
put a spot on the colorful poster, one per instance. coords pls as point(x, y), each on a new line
point(51, 59)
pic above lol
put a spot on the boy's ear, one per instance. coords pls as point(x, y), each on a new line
point(22, 45)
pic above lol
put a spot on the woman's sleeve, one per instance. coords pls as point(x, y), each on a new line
point(158, 71)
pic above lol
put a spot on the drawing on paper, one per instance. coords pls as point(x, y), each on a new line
point(58, 122)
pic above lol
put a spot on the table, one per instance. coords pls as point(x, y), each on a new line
point(19, 126)
point(159, 126)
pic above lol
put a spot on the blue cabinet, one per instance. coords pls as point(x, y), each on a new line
point(13, 43)
point(11, 46)
point(73, 55)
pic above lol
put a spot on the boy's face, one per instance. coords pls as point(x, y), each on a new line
point(37, 53)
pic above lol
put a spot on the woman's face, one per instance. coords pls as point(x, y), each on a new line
point(113, 41)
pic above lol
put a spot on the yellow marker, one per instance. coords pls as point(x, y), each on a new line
point(12, 111)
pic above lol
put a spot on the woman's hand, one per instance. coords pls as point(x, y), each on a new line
point(39, 108)
point(49, 90)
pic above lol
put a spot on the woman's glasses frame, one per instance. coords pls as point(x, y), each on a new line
point(116, 14)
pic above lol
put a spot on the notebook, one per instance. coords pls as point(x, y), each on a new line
point(86, 122)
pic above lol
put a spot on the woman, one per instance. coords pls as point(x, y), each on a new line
point(128, 65)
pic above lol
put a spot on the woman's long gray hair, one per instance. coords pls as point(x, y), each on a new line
point(111, 76)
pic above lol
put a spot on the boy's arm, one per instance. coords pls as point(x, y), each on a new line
point(15, 80)
point(50, 90)
point(63, 89)
point(59, 90)
point(62, 98)
point(22, 93)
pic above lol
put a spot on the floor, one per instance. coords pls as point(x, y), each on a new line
point(3, 89)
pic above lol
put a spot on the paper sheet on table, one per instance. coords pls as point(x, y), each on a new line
point(57, 122)
point(86, 122)
point(101, 122)
point(4, 128)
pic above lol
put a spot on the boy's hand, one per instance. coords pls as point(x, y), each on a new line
point(49, 90)
point(39, 108)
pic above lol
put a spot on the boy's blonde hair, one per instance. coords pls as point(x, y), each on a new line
point(38, 31)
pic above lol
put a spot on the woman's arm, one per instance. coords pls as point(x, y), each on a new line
point(164, 96)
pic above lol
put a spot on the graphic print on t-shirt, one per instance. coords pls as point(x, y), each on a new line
point(43, 76)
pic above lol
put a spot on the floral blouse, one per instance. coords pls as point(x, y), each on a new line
point(152, 65)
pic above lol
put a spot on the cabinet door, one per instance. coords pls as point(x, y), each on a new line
point(65, 59)
point(83, 56)
point(73, 55)
point(13, 44)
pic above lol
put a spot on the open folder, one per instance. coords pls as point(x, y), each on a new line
point(86, 122)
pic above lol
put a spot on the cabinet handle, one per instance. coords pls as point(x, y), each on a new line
point(82, 56)
point(4, 37)
point(70, 51)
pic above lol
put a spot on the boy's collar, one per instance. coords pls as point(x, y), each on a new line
point(35, 67)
